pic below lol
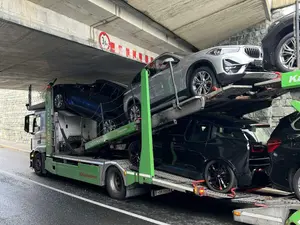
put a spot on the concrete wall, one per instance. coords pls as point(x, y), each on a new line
point(12, 111)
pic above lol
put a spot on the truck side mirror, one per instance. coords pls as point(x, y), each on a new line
point(27, 127)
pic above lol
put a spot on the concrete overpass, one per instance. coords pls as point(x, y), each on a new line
point(81, 40)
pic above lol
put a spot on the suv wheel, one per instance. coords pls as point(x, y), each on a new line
point(285, 54)
point(219, 176)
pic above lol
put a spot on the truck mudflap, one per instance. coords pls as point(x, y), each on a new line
point(275, 215)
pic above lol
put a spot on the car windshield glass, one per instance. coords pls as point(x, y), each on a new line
point(260, 134)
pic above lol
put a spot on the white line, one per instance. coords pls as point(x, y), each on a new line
point(87, 200)
point(13, 148)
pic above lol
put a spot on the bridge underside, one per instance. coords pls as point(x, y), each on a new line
point(28, 57)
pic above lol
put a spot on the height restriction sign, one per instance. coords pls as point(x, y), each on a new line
point(104, 41)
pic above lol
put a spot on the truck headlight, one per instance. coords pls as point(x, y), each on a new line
point(221, 51)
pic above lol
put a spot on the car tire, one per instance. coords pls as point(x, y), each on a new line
point(296, 184)
point(194, 81)
point(59, 101)
point(278, 62)
point(134, 112)
point(229, 180)
point(134, 153)
point(115, 185)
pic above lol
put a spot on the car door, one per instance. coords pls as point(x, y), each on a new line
point(196, 136)
point(161, 84)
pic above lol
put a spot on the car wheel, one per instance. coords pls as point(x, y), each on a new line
point(59, 101)
point(202, 81)
point(108, 126)
point(134, 151)
point(219, 176)
point(296, 184)
point(115, 185)
point(134, 112)
point(285, 57)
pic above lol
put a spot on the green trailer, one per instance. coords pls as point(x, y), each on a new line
point(119, 176)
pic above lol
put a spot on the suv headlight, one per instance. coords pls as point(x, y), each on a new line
point(221, 51)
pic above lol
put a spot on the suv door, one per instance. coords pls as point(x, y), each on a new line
point(161, 86)
point(196, 136)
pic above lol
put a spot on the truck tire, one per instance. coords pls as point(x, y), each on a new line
point(38, 164)
point(296, 184)
point(115, 185)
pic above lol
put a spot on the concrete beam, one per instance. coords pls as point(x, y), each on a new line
point(39, 18)
point(120, 20)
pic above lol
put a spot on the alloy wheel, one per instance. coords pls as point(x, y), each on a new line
point(202, 83)
point(218, 176)
point(287, 54)
point(134, 113)
point(108, 125)
point(58, 101)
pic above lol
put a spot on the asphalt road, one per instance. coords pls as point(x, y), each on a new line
point(26, 198)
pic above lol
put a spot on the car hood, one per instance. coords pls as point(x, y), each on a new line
point(204, 51)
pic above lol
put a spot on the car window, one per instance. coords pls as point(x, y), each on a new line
point(197, 131)
point(229, 132)
point(158, 64)
point(136, 79)
point(297, 124)
point(259, 134)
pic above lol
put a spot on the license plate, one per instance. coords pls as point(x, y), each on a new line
point(258, 63)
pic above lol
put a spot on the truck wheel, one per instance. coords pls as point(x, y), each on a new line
point(296, 184)
point(38, 164)
point(115, 183)
point(219, 176)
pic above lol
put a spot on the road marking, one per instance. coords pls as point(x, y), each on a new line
point(10, 147)
point(87, 200)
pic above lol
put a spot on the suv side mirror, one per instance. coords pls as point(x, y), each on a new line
point(169, 60)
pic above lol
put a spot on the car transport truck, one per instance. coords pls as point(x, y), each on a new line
point(67, 145)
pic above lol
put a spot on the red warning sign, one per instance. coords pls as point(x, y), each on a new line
point(104, 41)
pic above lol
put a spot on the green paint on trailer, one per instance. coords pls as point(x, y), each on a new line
point(296, 105)
point(113, 135)
point(131, 178)
point(293, 219)
point(146, 163)
point(49, 164)
point(290, 79)
point(82, 172)
point(49, 122)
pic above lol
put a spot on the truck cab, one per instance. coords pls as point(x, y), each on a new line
point(34, 124)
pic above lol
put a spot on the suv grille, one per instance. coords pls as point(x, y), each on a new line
point(252, 52)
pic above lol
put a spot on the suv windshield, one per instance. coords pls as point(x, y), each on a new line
point(258, 134)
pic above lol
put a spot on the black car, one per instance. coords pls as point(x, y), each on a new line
point(284, 149)
point(279, 45)
point(101, 101)
point(222, 150)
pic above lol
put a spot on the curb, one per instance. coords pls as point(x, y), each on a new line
point(14, 148)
